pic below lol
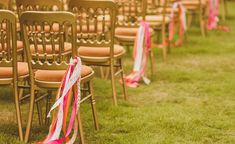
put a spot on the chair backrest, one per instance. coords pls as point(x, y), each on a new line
point(95, 22)
point(47, 48)
point(38, 5)
point(131, 12)
point(8, 50)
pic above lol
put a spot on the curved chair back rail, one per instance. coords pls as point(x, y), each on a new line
point(39, 5)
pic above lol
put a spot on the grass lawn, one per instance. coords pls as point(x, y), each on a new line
point(191, 99)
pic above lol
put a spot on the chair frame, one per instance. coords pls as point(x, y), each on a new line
point(133, 21)
point(110, 60)
point(35, 60)
point(163, 27)
point(10, 60)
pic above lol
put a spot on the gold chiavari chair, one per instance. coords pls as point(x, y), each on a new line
point(48, 53)
point(11, 71)
point(95, 32)
point(130, 14)
point(198, 7)
point(158, 16)
point(40, 5)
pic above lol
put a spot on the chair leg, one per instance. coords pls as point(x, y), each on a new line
point(39, 109)
point(114, 94)
point(48, 105)
point(164, 53)
point(202, 26)
point(82, 141)
point(93, 103)
point(18, 113)
point(107, 72)
point(21, 91)
point(31, 110)
point(102, 72)
point(223, 5)
point(123, 80)
point(151, 62)
point(202, 23)
point(189, 20)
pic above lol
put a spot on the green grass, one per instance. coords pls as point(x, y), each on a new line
point(191, 99)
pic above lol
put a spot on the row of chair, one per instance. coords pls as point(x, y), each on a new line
point(39, 36)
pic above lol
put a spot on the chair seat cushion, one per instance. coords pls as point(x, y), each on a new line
point(67, 47)
point(126, 31)
point(18, 43)
point(99, 52)
point(127, 34)
point(57, 75)
point(193, 4)
point(7, 72)
point(156, 20)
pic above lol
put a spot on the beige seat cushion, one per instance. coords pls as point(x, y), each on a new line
point(18, 43)
point(127, 33)
point(156, 20)
point(193, 4)
point(99, 52)
point(67, 47)
point(57, 75)
point(7, 72)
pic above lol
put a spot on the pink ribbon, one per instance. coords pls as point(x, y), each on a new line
point(182, 25)
point(71, 79)
point(213, 14)
point(140, 54)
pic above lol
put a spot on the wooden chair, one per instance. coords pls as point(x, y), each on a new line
point(158, 15)
point(48, 53)
point(95, 32)
point(197, 7)
point(130, 14)
point(11, 71)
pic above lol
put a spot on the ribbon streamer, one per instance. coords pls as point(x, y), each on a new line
point(213, 14)
point(141, 53)
point(182, 20)
point(70, 81)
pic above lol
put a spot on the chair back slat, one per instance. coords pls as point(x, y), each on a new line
point(8, 51)
point(38, 5)
point(45, 45)
point(95, 22)
point(131, 12)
